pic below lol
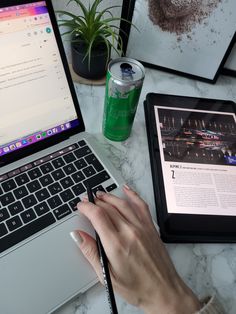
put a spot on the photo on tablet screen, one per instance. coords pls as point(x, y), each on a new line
point(198, 159)
point(198, 137)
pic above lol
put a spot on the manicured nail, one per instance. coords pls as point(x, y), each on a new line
point(76, 237)
point(78, 205)
point(85, 198)
point(127, 187)
point(100, 193)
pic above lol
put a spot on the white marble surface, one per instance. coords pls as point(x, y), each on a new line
point(206, 268)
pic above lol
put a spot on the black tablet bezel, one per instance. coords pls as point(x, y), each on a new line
point(184, 227)
point(33, 148)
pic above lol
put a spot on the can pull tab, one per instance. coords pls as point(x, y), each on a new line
point(127, 71)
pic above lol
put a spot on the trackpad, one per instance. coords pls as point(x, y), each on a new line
point(51, 269)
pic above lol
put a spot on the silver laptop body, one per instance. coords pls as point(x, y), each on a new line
point(45, 269)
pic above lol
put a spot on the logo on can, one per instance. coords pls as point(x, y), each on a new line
point(123, 88)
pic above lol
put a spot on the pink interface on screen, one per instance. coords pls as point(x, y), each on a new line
point(25, 10)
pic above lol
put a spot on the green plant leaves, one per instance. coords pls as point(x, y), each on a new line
point(93, 26)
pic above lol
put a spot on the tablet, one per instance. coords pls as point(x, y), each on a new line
point(192, 146)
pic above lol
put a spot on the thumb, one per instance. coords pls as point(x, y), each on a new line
point(88, 247)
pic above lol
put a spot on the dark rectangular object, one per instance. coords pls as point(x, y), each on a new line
point(179, 226)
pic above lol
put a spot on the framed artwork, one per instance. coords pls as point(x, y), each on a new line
point(230, 64)
point(188, 37)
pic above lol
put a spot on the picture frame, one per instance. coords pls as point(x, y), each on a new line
point(230, 64)
point(191, 45)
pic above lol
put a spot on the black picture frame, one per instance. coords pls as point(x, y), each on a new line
point(230, 65)
point(126, 30)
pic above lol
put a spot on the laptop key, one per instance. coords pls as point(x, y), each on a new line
point(54, 188)
point(42, 195)
point(8, 185)
point(69, 158)
point(78, 177)
point(69, 169)
point(92, 159)
point(41, 208)
point(66, 182)
point(3, 231)
point(28, 215)
point(7, 199)
point(82, 143)
point(58, 163)
point(97, 179)
point(66, 195)
point(20, 192)
point(1, 191)
point(81, 152)
point(22, 179)
point(13, 223)
point(26, 231)
point(62, 211)
point(58, 174)
point(4, 214)
point(46, 180)
point(89, 171)
point(111, 187)
point(81, 163)
point(35, 173)
point(33, 186)
point(78, 189)
point(98, 188)
point(73, 203)
point(29, 201)
point(15, 208)
point(54, 202)
point(46, 168)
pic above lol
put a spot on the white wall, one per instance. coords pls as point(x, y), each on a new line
point(62, 5)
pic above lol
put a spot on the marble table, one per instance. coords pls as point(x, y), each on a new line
point(206, 268)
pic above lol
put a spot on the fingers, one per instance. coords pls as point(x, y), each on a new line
point(100, 220)
point(137, 203)
point(89, 249)
point(120, 204)
point(115, 216)
point(132, 209)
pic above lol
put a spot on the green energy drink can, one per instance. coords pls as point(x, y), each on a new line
point(123, 87)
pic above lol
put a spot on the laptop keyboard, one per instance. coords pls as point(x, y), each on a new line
point(39, 194)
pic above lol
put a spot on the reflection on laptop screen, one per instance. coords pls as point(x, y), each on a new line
point(36, 102)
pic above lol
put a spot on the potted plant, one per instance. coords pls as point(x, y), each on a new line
point(92, 35)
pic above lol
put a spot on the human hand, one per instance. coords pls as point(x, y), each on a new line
point(140, 267)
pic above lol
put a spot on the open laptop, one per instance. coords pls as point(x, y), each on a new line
point(46, 159)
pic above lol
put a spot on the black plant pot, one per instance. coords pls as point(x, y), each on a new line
point(98, 62)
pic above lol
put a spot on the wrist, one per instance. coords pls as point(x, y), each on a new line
point(178, 299)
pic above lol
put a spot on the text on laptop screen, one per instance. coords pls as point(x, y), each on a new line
point(36, 102)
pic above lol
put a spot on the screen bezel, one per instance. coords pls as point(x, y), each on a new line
point(184, 227)
point(35, 147)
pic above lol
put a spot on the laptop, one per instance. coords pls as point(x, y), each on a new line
point(46, 160)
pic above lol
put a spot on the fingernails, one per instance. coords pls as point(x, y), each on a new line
point(100, 193)
point(127, 187)
point(76, 237)
point(85, 198)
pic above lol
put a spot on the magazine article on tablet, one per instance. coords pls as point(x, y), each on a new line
point(198, 158)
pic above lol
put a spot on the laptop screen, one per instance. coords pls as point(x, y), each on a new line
point(35, 97)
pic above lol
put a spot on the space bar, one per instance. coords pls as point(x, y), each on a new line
point(26, 231)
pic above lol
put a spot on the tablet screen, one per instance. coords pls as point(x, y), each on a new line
point(198, 160)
